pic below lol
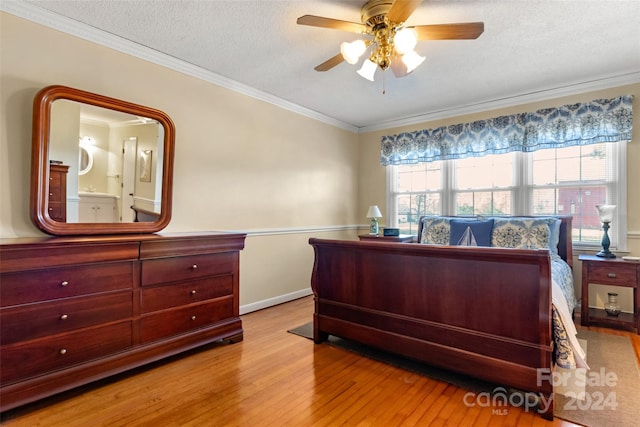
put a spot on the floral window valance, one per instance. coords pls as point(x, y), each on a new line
point(601, 120)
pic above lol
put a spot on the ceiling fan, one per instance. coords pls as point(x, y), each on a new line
point(391, 42)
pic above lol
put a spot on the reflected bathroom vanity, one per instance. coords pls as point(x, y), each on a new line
point(98, 207)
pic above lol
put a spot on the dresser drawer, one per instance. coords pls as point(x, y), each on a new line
point(167, 296)
point(177, 269)
point(40, 285)
point(55, 211)
point(171, 322)
point(613, 274)
point(55, 185)
point(29, 359)
point(29, 321)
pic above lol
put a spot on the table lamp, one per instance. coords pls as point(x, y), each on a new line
point(374, 214)
point(605, 212)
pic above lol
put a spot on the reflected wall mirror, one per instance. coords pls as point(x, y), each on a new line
point(99, 165)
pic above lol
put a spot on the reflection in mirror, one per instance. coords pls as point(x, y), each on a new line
point(118, 165)
point(85, 160)
point(112, 148)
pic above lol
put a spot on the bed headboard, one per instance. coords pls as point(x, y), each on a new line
point(565, 248)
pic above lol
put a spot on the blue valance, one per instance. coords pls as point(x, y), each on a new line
point(601, 120)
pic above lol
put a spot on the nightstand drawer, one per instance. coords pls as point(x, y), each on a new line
point(613, 274)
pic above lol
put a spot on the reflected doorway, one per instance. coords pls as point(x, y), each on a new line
point(129, 150)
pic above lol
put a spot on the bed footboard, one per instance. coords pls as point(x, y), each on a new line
point(484, 312)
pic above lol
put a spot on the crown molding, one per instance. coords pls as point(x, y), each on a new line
point(44, 17)
point(526, 98)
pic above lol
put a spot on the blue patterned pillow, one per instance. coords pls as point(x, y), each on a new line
point(435, 231)
point(554, 234)
point(521, 233)
point(471, 233)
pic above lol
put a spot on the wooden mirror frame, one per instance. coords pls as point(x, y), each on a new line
point(40, 163)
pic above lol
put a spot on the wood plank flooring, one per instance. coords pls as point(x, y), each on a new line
point(272, 378)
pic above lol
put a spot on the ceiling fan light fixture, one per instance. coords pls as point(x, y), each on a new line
point(405, 40)
point(368, 69)
point(351, 52)
point(412, 60)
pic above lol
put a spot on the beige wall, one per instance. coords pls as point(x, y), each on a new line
point(373, 176)
point(240, 164)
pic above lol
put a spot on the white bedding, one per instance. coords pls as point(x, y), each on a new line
point(560, 303)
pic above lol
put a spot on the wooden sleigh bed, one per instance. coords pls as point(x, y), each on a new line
point(485, 312)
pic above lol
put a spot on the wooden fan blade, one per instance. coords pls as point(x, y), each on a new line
point(463, 31)
point(402, 9)
point(335, 24)
point(330, 63)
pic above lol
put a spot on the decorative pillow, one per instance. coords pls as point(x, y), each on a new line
point(520, 233)
point(435, 231)
point(554, 234)
point(471, 233)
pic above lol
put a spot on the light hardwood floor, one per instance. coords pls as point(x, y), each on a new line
point(272, 378)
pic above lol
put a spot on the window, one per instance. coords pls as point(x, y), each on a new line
point(561, 181)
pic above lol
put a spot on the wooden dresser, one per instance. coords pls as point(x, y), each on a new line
point(78, 309)
point(58, 192)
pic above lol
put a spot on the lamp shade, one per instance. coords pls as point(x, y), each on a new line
point(351, 52)
point(368, 69)
point(412, 60)
point(374, 212)
point(405, 40)
point(605, 212)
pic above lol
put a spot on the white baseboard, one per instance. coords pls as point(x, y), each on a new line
point(255, 306)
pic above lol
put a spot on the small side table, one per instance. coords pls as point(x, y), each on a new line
point(612, 272)
point(403, 238)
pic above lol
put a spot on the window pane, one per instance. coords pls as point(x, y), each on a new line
point(412, 206)
point(572, 181)
point(483, 203)
point(421, 177)
point(484, 172)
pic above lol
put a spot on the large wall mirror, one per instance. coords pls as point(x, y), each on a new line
point(99, 165)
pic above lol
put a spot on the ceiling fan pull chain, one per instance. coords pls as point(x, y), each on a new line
point(384, 82)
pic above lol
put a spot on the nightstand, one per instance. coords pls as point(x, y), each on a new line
point(611, 272)
point(403, 238)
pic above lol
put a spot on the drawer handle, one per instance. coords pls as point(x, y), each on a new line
point(193, 317)
point(64, 283)
point(64, 317)
point(194, 267)
point(193, 292)
point(611, 275)
point(63, 351)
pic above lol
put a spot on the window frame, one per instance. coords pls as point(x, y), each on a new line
point(522, 191)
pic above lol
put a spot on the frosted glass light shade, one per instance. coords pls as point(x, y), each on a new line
point(351, 52)
point(606, 212)
point(405, 40)
point(412, 60)
point(374, 212)
point(368, 69)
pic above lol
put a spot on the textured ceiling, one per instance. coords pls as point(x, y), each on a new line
point(528, 47)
